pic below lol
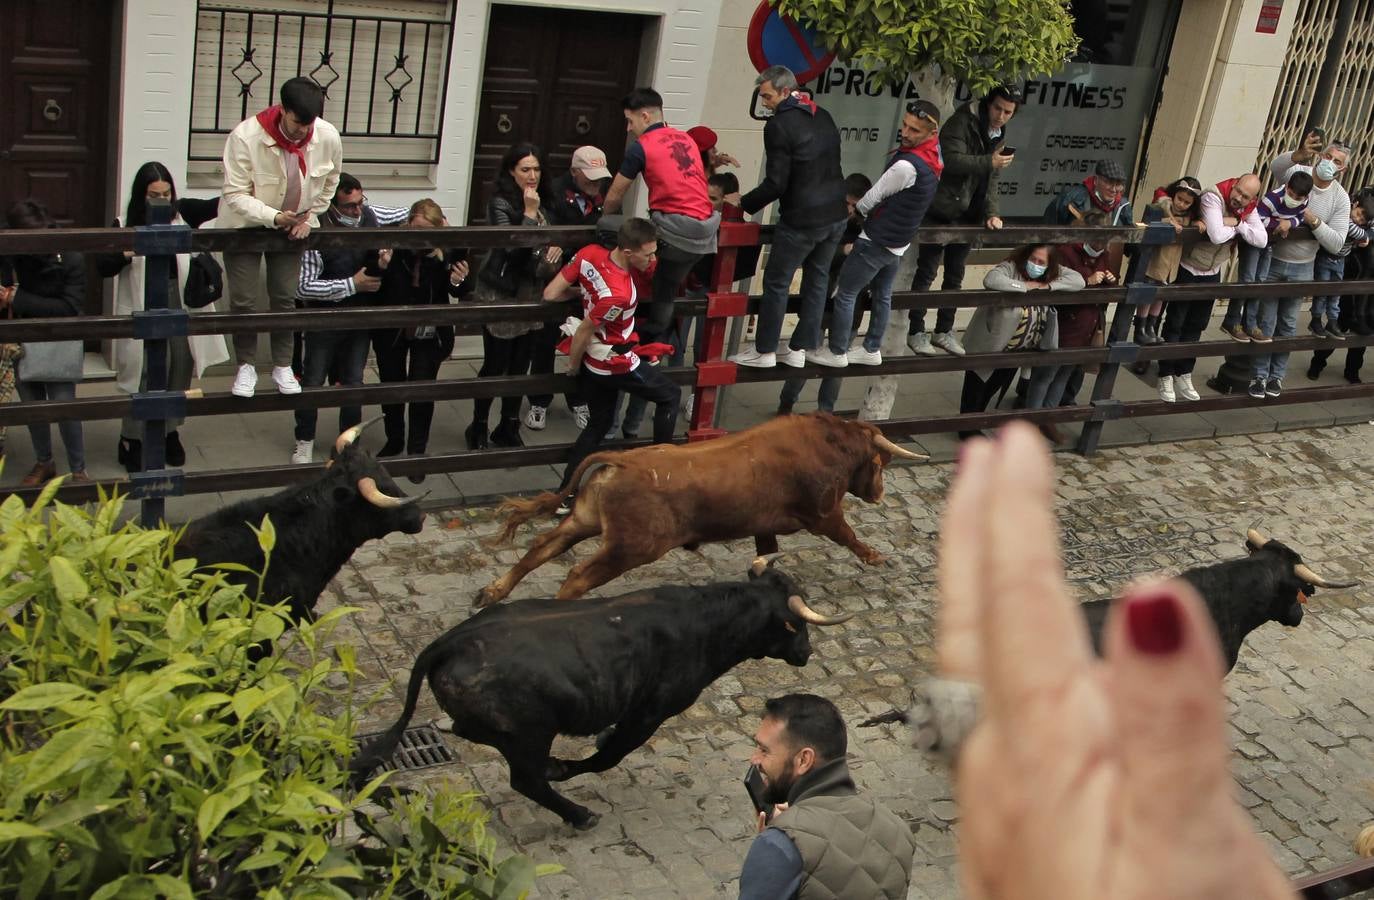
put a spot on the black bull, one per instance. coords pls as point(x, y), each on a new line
point(516, 676)
point(318, 524)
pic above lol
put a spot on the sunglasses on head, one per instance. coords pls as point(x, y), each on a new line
point(921, 112)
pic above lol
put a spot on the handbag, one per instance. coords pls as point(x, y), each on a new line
point(51, 361)
point(204, 282)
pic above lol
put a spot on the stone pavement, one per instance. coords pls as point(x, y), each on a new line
point(675, 817)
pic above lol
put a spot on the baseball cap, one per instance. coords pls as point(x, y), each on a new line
point(590, 162)
point(924, 109)
point(703, 137)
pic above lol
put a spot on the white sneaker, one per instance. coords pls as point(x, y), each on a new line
point(947, 342)
point(789, 357)
point(581, 416)
point(304, 454)
point(536, 418)
point(285, 380)
point(1166, 388)
point(826, 357)
point(245, 381)
point(750, 356)
point(1183, 384)
point(862, 357)
point(920, 343)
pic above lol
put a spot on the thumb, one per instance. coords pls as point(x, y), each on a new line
point(1164, 671)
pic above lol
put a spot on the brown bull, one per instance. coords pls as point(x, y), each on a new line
point(786, 475)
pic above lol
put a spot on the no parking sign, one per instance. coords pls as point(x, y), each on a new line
point(777, 40)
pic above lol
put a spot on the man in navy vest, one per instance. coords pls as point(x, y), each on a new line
point(893, 209)
point(331, 279)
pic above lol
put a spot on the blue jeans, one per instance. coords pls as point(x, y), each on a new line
point(324, 351)
point(1327, 268)
point(1047, 384)
point(811, 249)
point(70, 429)
point(1278, 317)
point(1254, 268)
point(867, 264)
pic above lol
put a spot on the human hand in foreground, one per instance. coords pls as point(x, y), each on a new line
point(1085, 778)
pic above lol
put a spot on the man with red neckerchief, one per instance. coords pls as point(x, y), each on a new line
point(281, 168)
point(604, 350)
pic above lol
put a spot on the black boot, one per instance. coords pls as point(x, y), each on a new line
point(1152, 324)
point(1140, 325)
point(476, 436)
point(507, 434)
point(130, 454)
point(174, 452)
point(392, 447)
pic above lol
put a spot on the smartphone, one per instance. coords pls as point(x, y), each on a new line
point(758, 792)
point(1007, 151)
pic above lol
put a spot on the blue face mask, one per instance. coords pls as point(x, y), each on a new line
point(1325, 170)
point(1035, 269)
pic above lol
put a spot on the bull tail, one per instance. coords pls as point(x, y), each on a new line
point(380, 750)
point(518, 511)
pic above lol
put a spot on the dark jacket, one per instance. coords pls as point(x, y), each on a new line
point(513, 265)
point(50, 286)
point(850, 844)
point(1077, 323)
point(399, 288)
point(968, 187)
point(1083, 198)
point(345, 262)
point(562, 209)
point(893, 222)
point(802, 168)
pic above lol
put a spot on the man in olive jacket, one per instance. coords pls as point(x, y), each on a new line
point(973, 144)
point(825, 840)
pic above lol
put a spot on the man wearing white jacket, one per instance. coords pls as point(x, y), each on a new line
point(281, 168)
point(1328, 215)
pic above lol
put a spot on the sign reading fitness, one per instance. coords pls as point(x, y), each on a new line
point(1069, 121)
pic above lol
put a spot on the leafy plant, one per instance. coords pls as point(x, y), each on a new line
point(142, 754)
point(983, 42)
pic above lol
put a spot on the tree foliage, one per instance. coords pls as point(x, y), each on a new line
point(982, 42)
point(143, 755)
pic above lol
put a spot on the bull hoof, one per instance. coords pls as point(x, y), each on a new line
point(486, 597)
point(588, 823)
point(877, 559)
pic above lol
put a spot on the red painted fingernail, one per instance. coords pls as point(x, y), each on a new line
point(1155, 623)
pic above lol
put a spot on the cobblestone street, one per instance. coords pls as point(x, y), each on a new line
point(676, 821)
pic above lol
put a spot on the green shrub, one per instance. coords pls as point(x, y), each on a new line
point(143, 755)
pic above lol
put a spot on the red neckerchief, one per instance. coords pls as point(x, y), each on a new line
point(270, 120)
point(1224, 188)
point(802, 102)
point(929, 150)
point(1091, 184)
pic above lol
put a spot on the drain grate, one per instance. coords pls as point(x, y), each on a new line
point(421, 747)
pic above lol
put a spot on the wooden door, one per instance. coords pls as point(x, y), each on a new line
point(54, 78)
point(555, 77)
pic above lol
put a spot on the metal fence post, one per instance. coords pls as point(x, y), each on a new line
point(1120, 348)
point(158, 242)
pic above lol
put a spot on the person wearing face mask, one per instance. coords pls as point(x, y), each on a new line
point(1104, 189)
point(1010, 328)
point(1228, 213)
point(1077, 323)
point(1280, 210)
point(819, 837)
point(334, 279)
point(1328, 216)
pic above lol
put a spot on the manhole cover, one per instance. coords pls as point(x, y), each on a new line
point(420, 748)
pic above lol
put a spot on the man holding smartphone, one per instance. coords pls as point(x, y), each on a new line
point(973, 144)
point(281, 168)
point(818, 836)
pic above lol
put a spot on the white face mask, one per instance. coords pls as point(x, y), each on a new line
point(1092, 251)
point(1035, 269)
point(1325, 170)
point(350, 221)
point(1289, 202)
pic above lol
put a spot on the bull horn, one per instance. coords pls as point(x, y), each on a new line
point(1311, 577)
point(807, 614)
point(373, 494)
point(352, 434)
point(1254, 537)
point(882, 442)
point(762, 563)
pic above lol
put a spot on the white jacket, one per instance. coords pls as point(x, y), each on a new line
point(255, 175)
point(206, 349)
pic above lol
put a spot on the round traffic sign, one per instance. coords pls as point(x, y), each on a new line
point(778, 40)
